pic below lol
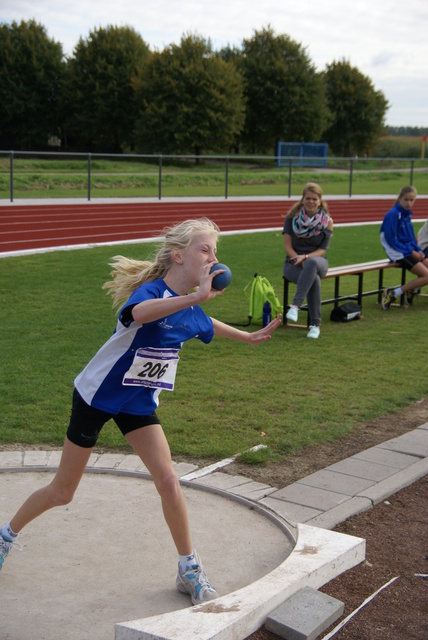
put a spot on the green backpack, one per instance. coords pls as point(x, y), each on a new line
point(259, 291)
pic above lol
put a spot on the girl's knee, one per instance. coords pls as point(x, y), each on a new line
point(59, 496)
point(168, 484)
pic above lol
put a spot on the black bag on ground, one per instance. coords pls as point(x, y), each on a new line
point(346, 312)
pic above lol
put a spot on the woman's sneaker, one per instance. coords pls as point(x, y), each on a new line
point(411, 295)
point(388, 298)
point(314, 332)
point(195, 583)
point(5, 547)
point(292, 314)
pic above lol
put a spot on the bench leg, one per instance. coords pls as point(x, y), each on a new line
point(403, 281)
point(380, 292)
point(360, 289)
point(285, 302)
point(336, 291)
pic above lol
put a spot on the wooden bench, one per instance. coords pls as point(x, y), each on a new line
point(357, 270)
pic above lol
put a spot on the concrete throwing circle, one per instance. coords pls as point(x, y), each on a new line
point(108, 556)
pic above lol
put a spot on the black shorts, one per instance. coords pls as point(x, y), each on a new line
point(86, 422)
point(408, 262)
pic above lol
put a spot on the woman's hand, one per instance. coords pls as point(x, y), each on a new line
point(298, 260)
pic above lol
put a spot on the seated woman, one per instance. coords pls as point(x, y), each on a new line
point(398, 240)
point(307, 232)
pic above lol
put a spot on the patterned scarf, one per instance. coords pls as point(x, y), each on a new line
point(306, 227)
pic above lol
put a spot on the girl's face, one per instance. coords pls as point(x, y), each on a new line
point(311, 202)
point(407, 200)
point(201, 251)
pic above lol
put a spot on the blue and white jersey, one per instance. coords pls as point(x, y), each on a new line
point(138, 361)
point(397, 235)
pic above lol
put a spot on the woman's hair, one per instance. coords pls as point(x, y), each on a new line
point(405, 190)
point(309, 186)
point(129, 274)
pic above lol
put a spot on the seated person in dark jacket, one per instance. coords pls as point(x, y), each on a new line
point(307, 230)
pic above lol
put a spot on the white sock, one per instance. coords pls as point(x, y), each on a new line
point(7, 533)
point(185, 562)
point(397, 292)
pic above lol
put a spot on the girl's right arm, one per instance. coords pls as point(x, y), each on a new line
point(156, 308)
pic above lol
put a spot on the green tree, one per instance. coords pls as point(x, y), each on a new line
point(190, 99)
point(358, 110)
point(31, 71)
point(102, 108)
point(285, 94)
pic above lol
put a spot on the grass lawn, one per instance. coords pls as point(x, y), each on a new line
point(294, 390)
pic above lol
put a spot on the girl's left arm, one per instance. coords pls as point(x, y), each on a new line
point(223, 330)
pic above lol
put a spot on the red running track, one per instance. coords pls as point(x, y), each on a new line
point(26, 227)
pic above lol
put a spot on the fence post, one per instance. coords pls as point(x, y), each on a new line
point(412, 164)
point(11, 174)
point(89, 176)
point(227, 178)
point(160, 178)
point(290, 164)
point(350, 177)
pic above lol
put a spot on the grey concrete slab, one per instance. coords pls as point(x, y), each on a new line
point(184, 468)
point(331, 518)
point(54, 458)
point(291, 512)
point(223, 481)
point(9, 459)
point(389, 458)
point(305, 615)
point(132, 463)
point(414, 443)
point(382, 490)
point(109, 460)
point(308, 496)
point(92, 460)
point(252, 490)
point(362, 469)
point(338, 482)
point(35, 459)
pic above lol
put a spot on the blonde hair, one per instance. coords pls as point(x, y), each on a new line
point(129, 274)
point(309, 186)
point(405, 190)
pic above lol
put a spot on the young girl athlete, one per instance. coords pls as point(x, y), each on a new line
point(398, 239)
point(124, 379)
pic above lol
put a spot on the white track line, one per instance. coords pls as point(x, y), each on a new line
point(217, 465)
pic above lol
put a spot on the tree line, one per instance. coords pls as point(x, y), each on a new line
point(115, 95)
point(408, 131)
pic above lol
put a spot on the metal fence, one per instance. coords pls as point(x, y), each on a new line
point(229, 171)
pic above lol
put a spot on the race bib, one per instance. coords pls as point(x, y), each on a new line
point(154, 368)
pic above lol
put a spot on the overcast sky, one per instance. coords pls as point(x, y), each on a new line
point(385, 39)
